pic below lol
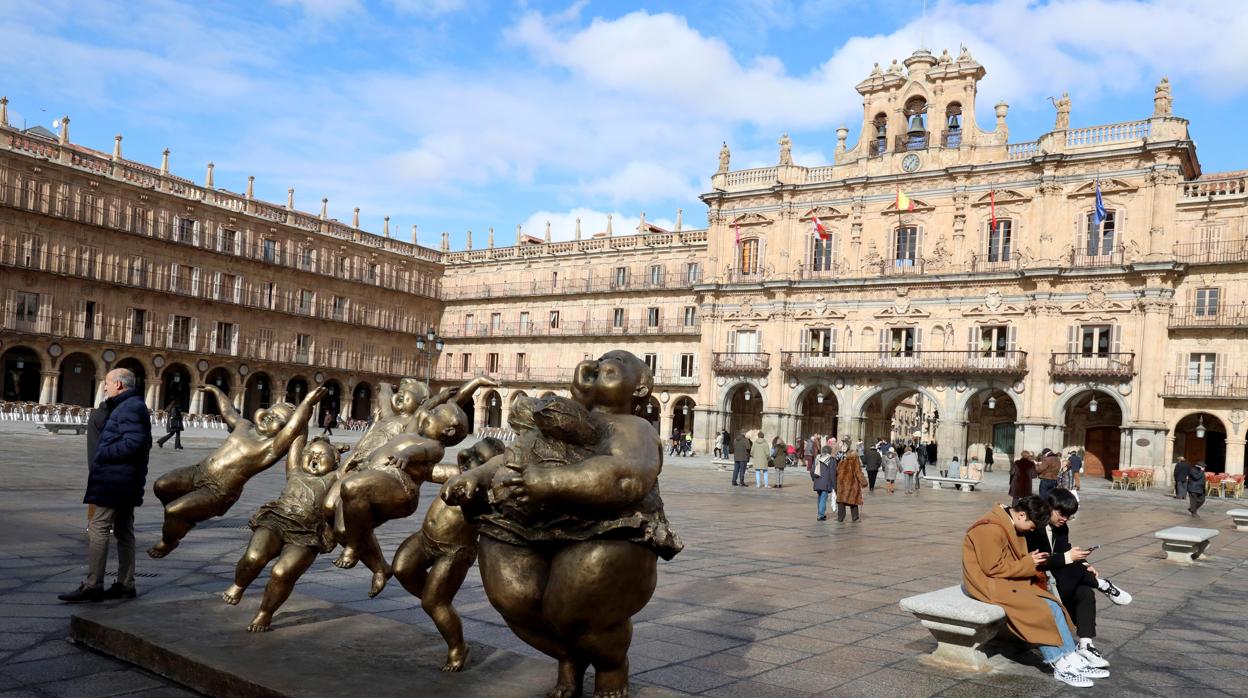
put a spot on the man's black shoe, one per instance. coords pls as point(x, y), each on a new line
point(83, 594)
point(120, 591)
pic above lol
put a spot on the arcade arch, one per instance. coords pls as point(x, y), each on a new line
point(22, 368)
point(258, 393)
point(991, 416)
point(651, 411)
point(296, 390)
point(362, 401)
point(818, 412)
point(744, 405)
point(219, 377)
point(78, 380)
point(682, 414)
point(493, 409)
point(1093, 420)
point(331, 404)
point(175, 384)
point(1201, 437)
point(138, 369)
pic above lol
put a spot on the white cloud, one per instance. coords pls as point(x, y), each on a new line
point(641, 181)
point(429, 8)
point(563, 225)
point(324, 9)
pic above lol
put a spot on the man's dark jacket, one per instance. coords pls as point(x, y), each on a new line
point(95, 424)
point(119, 467)
point(1067, 576)
point(741, 448)
point(871, 459)
point(1181, 471)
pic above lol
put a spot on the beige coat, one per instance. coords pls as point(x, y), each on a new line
point(997, 569)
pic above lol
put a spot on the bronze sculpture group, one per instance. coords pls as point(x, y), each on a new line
point(567, 521)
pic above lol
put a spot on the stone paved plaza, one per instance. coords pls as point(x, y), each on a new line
point(763, 602)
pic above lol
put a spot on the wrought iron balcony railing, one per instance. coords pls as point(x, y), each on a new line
point(1220, 252)
point(1077, 365)
point(1218, 386)
point(741, 363)
point(915, 362)
point(1214, 316)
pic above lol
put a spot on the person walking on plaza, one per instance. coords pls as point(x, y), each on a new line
point(1196, 487)
point(115, 486)
point(688, 444)
point(931, 451)
point(892, 467)
point(1181, 471)
point(920, 451)
point(1021, 473)
point(849, 483)
point(328, 422)
point(872, 461)
point(910, 468)
point(988, 459)
point(760, 459)
point(1076, 466)
point(779, 456)
point(173, 426)
point(740, 457)
point(997, 569)
point(1076, 581)
point(824, 476)
point(1048, 470)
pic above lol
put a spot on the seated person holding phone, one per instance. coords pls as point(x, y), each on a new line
point(1074, 578)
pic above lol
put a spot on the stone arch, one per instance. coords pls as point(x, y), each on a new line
point(890, 395)
point(80, 375)
point(362, 400)
point(258, 393)
point(515, 395)
point(991, 415)
point(219, 377)
point(331, 404)
point(493, 409)
point(296, 389)
point(815, 415)
point(743, 414)
point(1098, 428)
point(651, 410)
point(1200, 435)
point(1073, 392)
point(23, 368)
point(684, 408)
point(175, 384)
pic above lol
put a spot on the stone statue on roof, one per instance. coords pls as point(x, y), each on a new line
point(786, 150)
point(1063, 112)
point(724, 156)
point(1162, 99)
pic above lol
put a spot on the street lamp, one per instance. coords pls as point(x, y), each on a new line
point(1092, 405)
point(992, 403)
point(747, 394)
point(1200, 428)
point(429, 344)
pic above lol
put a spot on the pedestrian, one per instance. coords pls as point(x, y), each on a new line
point(779, 458)
point(115, 486)
point(1021, 473)
point(921, 452)
point(740, 456)
point(1181, 470)
point(760, 459)
point(173, 426)
point(974, 470)
point(1196, 487)
point(1076, 467)
point(824, 476)
point(932, 452)
point(688, 444)
point(988, 458)
point(955, 471)
point(997, 569)
point(892, 467)
point(95, 423)
point(1073, 577)
point(1048, 470)
point(910, 468)
point(849, 483)
point(799, 453)
point(872, 461)
point(329, 421)
point(1066, 476)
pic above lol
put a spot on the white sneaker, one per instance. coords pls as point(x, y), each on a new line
point(1093, 657)
point(1118, 596)
point(1071, 678)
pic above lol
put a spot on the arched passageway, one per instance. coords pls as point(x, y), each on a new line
point(1093, 423)
point(493, 409)
point(21, 374)
point(744, 405)
point(361, 401)
point(331, 404)
point(650, 411)
point(220, 378)
point(1201, 437)
point(175, 386)
point(991, 428)
point(140, 374)
point(296, 390)
point(818, 411)
point(682, 415)
point(258, 393)
point(78, 381)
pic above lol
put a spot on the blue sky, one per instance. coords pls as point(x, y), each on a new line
point(462, 115)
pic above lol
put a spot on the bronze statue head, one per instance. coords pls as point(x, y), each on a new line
point(480, 453)
point(616, 382)
point(270, 420)
point(447, 424)
point(409, 396)
point(321, 457)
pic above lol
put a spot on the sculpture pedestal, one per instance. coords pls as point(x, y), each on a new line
point(316, 648)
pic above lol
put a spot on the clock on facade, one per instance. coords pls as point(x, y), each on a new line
point(910, 163)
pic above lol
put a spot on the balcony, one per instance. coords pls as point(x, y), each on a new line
point(634, 281)
point(1080, 258)
point(1000, 363)
point(1225, 387)
point(1220, 252)
point(1117, 365)
point(951, 138)
point(913, 141)
point(571, 328)
point(987, 263)
point(738, 363)
point(1213, 317)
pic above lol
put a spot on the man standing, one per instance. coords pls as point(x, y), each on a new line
point(115, 486)
point(1076, 466)
point(872, 461)
point(1196, 487)
point(1050, 468)
point(740, 456)
point(95, 424)
point(1181, 471)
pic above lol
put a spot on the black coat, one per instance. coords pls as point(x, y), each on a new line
point(95, 423)
point(173, 422)
point(119, 468)
point(871, 459)
point(1196, 481)
point(931, 452)
point(824, 473)
point(741, 448)
point(1181, 471)
point(1067, 576)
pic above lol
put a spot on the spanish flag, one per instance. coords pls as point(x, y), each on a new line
point(903, 202)
point(820, 230)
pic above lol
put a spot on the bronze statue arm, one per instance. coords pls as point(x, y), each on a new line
point(465, 392)
point(229, 415)
point(608, 481)
point(385, 395)
point(473, 484)
point(294, 457)
point(442, 472)
point(298, 424)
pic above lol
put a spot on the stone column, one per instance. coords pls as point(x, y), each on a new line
point(479, 419)
point(504, 416)
point(47, 386)
point(951, 440)
point(704, 425)
point(1235, 455)
point(197, 402)
point(153, 394)
point(772, 423)
point(665, 431)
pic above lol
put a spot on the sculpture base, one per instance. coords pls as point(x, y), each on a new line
point(316, 648)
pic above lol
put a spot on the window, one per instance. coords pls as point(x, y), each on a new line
point(1207, 302)
point(31, 252)
point(554, 319)
point(138, 326)
point(993, 340)
point(1095, 340)
point(374, 273)
point(227, 335)
point(820, 341)
point(303, 348)
point(465, 363)
point(652, 317)
point(821, 255)
point(340, 308)
point(183, 279)
point(652, 360)
point(27, 310)
point(901, 341)
point(656, 275)
point(617, 317)
point(227, 288)
point(306, 298)
point(186, 231)
point(880, 145)
point(522, 363)
point(491, 362)
point(496, 323)
point(180, 337)
point(269, 248)
point(554, 280)
point(691, 315)
point(136, 272)
point(1000, 240)
point(269, 295)
point(693, 272)
point(138, 220)
point(686, 366)
point(1201, 367)
point(906, 247)
point(953, 125)
point(470, 323)
point(88, 320)
point(744, 341)
point(621, 277)
point(1101, 237)
point(307, 259)
point(524, 322)
point(747, 256)
point(228, 243)
point(344, 267)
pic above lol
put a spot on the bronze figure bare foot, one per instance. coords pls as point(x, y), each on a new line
point(232, 595)
point(260, 624)
point(161, 549)
point(456, 658)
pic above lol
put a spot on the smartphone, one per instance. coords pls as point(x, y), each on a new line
point(1093, 548)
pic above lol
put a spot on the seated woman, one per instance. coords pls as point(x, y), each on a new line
point(997, 569)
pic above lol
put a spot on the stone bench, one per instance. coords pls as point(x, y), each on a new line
point(1240, 517)
point(1183, 544)
point(937, 480)
point(58, 427)
point(960, 624)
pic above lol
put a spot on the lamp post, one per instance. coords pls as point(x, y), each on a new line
point(429, 344)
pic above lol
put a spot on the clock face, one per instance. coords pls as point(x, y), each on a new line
point(910, 163)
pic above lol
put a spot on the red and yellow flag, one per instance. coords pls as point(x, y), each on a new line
point(904, 203)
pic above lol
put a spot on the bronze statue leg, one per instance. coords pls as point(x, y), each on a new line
point(411, 564)
point(515, 578)
point(375, 561)
point(594, 589)
point(263, 547)
point(369, 499)
point(174, 484)
point(330, 508)
point(181, 515)
point(441, 585)
point(293, 561)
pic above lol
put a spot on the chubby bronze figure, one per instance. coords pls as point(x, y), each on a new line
point(569, 549)
point(199, 492)
point(291, 529)
point(432, 563)
point(395, 414)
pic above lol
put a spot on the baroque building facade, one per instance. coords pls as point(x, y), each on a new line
point(997, 307)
